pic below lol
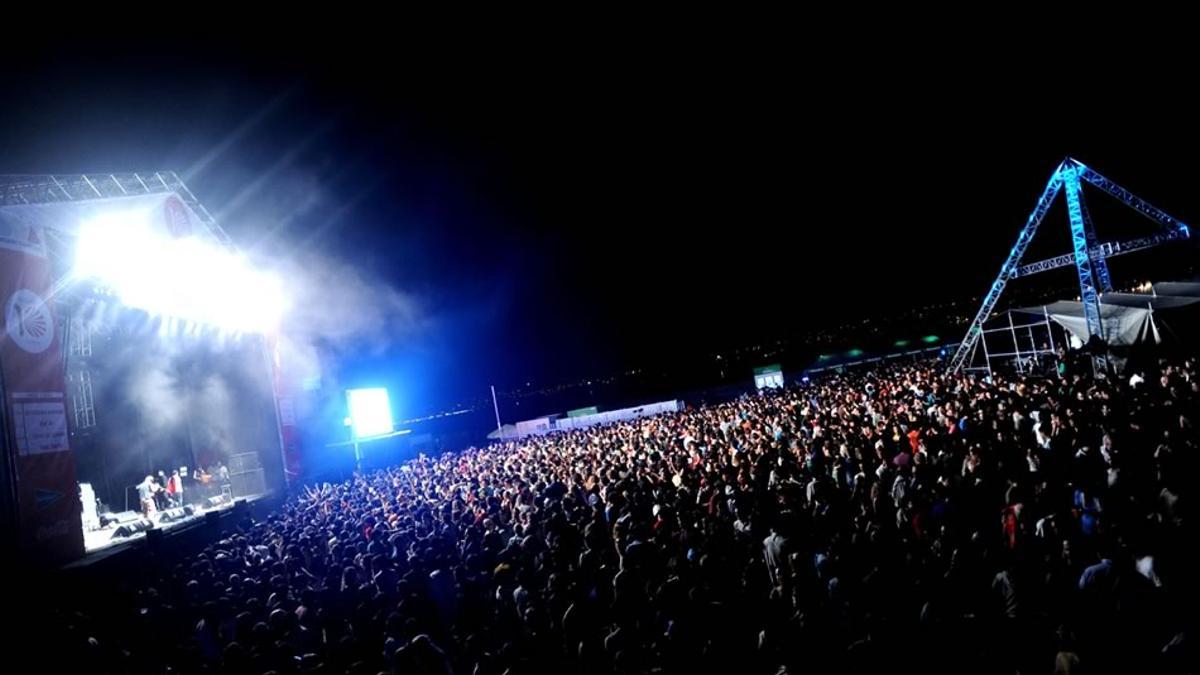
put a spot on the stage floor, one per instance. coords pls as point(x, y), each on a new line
point(102, 539)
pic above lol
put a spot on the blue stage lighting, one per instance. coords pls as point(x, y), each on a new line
point(370, 412)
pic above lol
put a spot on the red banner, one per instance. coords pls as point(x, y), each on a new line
point(35, 402)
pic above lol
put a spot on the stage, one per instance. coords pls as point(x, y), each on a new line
point(151, 348)
point(105, 539)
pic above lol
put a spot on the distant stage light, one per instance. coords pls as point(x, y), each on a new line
point(188, 278)
point(370, 412)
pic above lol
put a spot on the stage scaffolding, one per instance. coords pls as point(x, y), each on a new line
point(68, 300)
point(58, 188)
point(1018, 342)
point(47, 189)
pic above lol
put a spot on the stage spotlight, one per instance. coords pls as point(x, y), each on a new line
point(109, 240)
point(190, 278)
point(370, 412)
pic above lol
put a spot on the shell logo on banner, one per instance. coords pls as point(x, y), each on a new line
point(28, 322)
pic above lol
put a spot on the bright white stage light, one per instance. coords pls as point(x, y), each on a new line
point(370, 412)
point(188, 278)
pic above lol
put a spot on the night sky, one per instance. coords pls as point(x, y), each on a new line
point(569, 210)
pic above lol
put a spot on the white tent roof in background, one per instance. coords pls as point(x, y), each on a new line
point(1122, 325)
point(1147, 300)
point(1189, 289)
point(1128, 318)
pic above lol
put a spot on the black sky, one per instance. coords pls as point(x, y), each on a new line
point(565, 210)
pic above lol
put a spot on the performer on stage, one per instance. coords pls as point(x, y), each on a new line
point(161, 502)
point(175, 489)
point(204, 481)
point(146, 491)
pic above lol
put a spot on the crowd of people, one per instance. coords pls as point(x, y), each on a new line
point(899, 519)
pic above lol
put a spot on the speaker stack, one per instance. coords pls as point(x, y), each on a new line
point(246, 476)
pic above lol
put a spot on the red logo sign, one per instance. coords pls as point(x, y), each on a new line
point(178, 222)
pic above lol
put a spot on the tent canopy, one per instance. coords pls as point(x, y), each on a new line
point(1190, 289)
point(1122, 325)
point(1128, 318)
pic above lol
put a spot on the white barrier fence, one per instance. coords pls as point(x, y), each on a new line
point(543, 425)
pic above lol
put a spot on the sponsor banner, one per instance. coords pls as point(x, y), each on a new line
point(31, 363)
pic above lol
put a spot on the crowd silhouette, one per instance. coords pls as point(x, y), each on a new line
point(895, 519)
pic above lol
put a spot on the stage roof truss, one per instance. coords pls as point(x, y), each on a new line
point(49, 189)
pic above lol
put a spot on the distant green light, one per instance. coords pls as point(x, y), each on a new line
point(853, 353)
point(930, 339)
point(900, 343)
point(824, 357)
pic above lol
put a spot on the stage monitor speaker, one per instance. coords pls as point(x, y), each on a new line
point(176, 514)
point(119, 518)
point(130, 529)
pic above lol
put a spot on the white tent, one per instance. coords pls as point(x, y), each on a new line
point(1122, 325)
point(1023, 337)
point(1128, 318)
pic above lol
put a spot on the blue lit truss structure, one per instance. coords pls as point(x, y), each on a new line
point(1088, 255)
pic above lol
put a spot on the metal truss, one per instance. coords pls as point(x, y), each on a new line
point(1083, 261)
point(1088, 256)
point(1099, 265)
point(48, 189)
point(1007, 271)
point(52, 189)
point(1105, 250)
